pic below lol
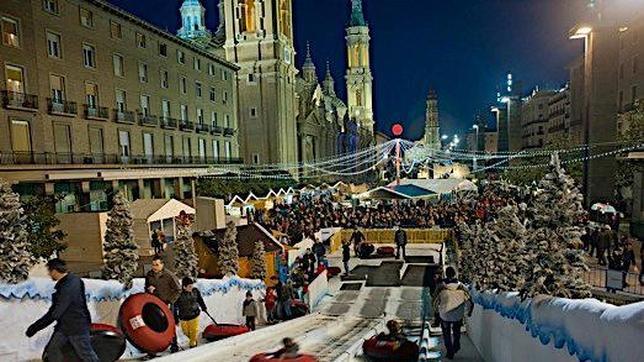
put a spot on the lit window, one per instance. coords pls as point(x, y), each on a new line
point(115, 30)
point(10, 34)
point(118, 62)
point(57, 84)
point(143, 72)
point(164, 79)
point(50, 6)
point(86, 18)
point(15, 79)
point(140, 40)
point(91, 95)
point(183, 85)
point(89, 56)
point(163, 49)
point(198, 89)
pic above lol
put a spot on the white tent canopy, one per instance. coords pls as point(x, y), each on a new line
point(440, 186)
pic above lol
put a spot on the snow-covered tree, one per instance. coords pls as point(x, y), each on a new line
point(15, 257)
point(185, 257)
point(258, 263)
point(228, 251)
point(121, 250)
point(553, 249)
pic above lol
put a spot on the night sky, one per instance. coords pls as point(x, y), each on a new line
point(463, 49)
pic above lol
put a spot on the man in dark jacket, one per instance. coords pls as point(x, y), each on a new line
point(320, 250)
point(400, 238)
point(346, 256)
point(69, 310)
point(357, 238)
point(603, 244)
point(164, 285)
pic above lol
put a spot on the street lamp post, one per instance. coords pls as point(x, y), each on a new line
point(476, 142)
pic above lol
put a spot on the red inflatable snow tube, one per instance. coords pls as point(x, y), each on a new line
point(383, 350)
point(215, 332)
point(107, 341)
point(262, 357)
point(333, 271)
point(147, 322)
point(386, 251)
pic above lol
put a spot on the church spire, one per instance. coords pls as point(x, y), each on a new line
point(329, 83)
point(308, 69)
point(193, 21)
point(357, 16)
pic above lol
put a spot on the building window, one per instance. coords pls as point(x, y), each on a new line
point(253, 112)
point(54, 48)
point(184, 112)
point(211, 69)
point(198, 89)
point(183, 85)
point(91, 95)
point(256, 158)
point(251, 78)
point(51, 6)
point(165, 79)
point(57, 85)
point(225, 99)
point(215, 149)
point(115, 30)
point(224, 75)
point(197, 64)
point(163, 49)
point(10, 32)
point(140, 40)
point(124, 143)
point(15, 78)
point(202, 149)
point(143, 72)
point(200, 118)
point(118, 62)
point(181, 57)
point(228, 150)
point(86, 18)
point(89, 56)
point(121, 100)
point(169, 146)
point(145, 105)
point(227, 120)
point(212, 94)
point(213, 118)
point(20, 136)
point(165, 109)
point(187, 146)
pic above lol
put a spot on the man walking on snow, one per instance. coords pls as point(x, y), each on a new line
point(450, 303)
point(69, 310)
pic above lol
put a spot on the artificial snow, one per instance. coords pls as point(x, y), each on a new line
point(505, 328)
point(24, 303)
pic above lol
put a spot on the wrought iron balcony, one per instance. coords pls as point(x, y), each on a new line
point(217, 130)
point(123, 116)
point(96, 112)
point(229, 132)
point(22, 101)
point(61, 107)
point(186, 126)
point(168, 123)
point(62, 158)
point(148, 120)
point(203, 128)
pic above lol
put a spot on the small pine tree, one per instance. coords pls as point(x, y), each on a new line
point(229, 252)
point(44, 236)
point(15, 257)
point(185, 260)
point(556, 263)
point(121, 251)
point(258, 264)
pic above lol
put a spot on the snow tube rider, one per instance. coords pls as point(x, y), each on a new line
point(395, 334)
point(290, 350)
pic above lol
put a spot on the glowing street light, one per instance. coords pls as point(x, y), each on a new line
point(444, 137)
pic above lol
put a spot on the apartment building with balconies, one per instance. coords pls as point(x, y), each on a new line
point(534, 119)
point(94, 99)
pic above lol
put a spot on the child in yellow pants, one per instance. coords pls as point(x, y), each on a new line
point(188, 308)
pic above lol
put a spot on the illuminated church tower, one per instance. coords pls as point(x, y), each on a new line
point(193, 23)
point(259, 39)
point(359, 78)
point(432, 126)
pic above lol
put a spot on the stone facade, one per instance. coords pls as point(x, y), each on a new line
point(534, 119)
point(432, 138)
point(89, 86)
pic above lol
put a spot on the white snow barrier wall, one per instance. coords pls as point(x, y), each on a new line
point(24, 303)
point(505, 329)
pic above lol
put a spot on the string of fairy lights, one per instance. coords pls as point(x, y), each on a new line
point(414, 155)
